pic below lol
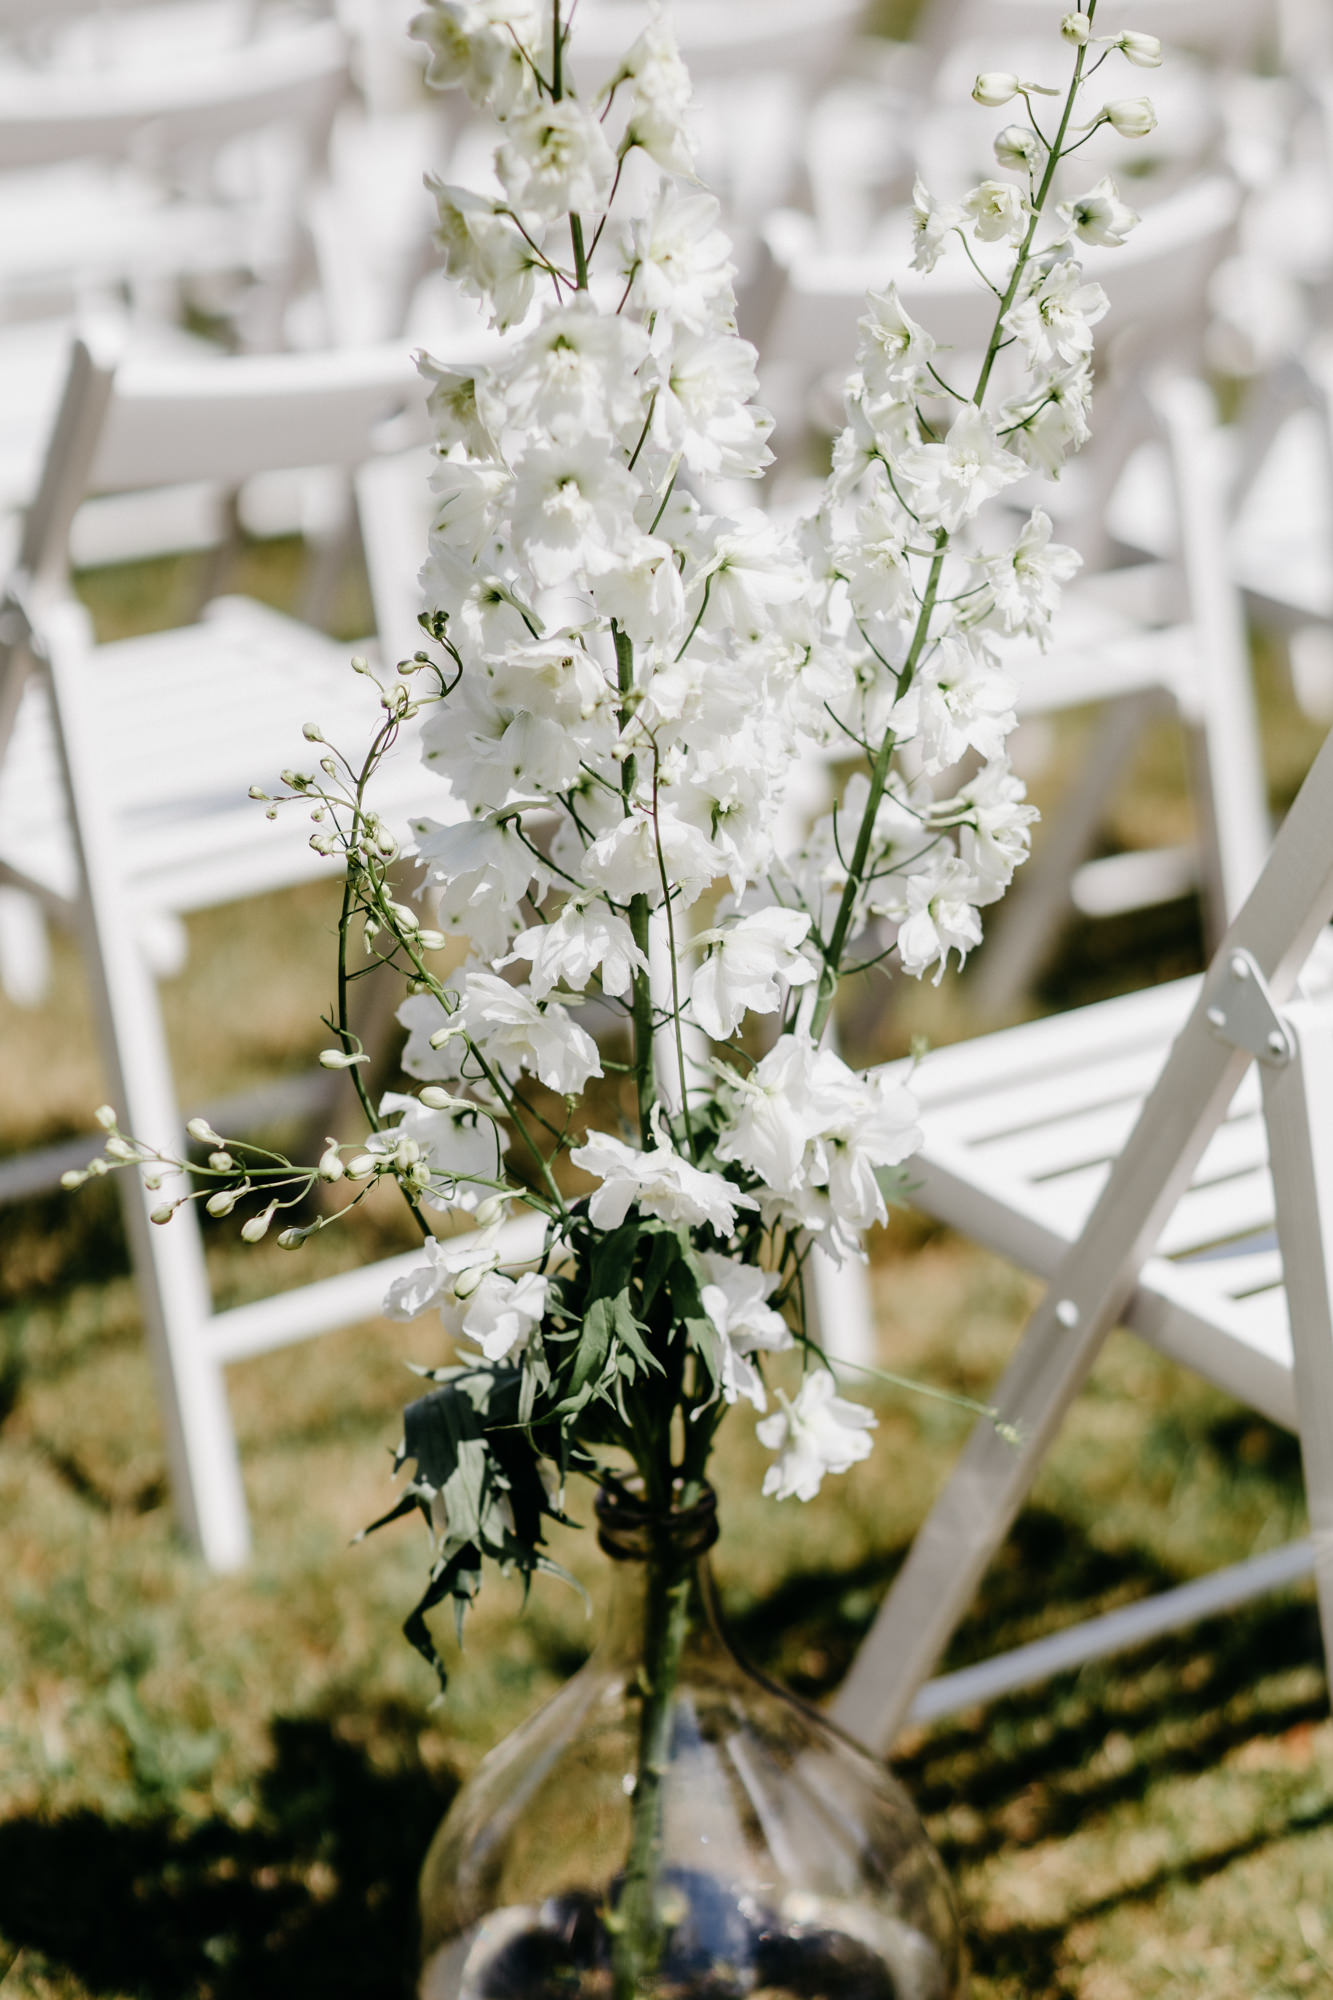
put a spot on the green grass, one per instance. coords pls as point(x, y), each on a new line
point(222, 1787)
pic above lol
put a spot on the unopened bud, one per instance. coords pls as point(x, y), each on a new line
point(200, 1129)
point(490, 1211)
point(1075, 29)
point(73, 1177)
point(312, 732)
point(257, 1226)
point(329, 766)
point(465, 1284)
point(291, 1239)
point(360, 665)
point(436, 1099)
point(105, 1117)
point(406, 919)
point(1131, 117)
point(153, 1182)
point(221, 1161)
point(442, 1035)
point(432, 940)
point(257, 792)
point(362, 1167)
point(1018, 146)
point(121, 1149)
point(330, 1167)
point(98, 1167)
point(339, 1059)
point(163, 1213)
point(1143, 50)
point(224, 1201)
point(995, 87)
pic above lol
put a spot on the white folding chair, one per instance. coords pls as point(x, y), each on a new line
point(124, 773)
point(1166, 1161)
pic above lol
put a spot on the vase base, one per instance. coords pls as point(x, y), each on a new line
point(721, 1944)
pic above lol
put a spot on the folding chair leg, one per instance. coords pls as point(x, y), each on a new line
point(169, 1263)
point(966, 1527)
point(1297, 1097)
point(840, 1311)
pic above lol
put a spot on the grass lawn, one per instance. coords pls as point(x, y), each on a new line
point(222, 1787)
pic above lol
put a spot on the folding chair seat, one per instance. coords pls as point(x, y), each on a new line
point(124, 775)
point(1163, 1160)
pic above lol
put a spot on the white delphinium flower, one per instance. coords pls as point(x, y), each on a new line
point(483, 868)
point(658, 1182)
point(1025, 583)
point(483, 253)
point(946, 483)
point(1020, 147)
point(573, 374)
point(740, 1323)
point(1044, 428)
point(994, 828)
point(750, 569)
point(511, 1029)
point(894, 354)
point(873, 561)
point(486, 47)
point(703, 409)
point(1055, 318)
point(556, 159)
point(999, 211)
point(464, 1260)
point(750, 962)
point(817, 1433)
point(941, 916)
point(678, 260)
point(1131, 117)
point(643, 592)
point(812, 1132)
point(959, 700)
point(633, 855)
point(571, 508)
point(932, 223)
point(659, 98)
point(583, 939)
point(1144, 51)
point(503, 1312)
point(1099, 216)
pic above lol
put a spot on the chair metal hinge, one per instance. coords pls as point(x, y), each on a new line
point(1242, 1011)
point(17, 625)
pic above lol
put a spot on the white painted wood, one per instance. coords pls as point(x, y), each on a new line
point(123, 801)
point(1094, 1277)
point(1298, 1100)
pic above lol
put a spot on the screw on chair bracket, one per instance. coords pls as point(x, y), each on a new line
point(1241, 1010)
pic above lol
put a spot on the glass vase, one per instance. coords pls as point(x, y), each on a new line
point(671, 1826)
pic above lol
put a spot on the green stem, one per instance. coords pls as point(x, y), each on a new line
point(638, 1931)
point(641, 1010)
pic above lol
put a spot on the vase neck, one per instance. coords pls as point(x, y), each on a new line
point(659, 1573)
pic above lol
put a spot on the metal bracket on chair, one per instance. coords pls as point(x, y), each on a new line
point(1242, 1011)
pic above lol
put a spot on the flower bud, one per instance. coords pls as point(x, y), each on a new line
point(1131, 117)
point(490, 1211)
point(222, 1161)
point(153, 1182)
point(257, 1226)
point(330, 1167)
point(1143, 50)
point(121, 1149)
point(163, 1213)
point(436, 1099)
point(329, 766)
point(362, 1167)
point(291, 1239)
point(465, 1284)
point(1076, 29)
point(432, 940)
point(105, 1117)
point(995, 87)
point(339, 1059)
point(1018, 146)
point(257, 792)
point(200, 1129)
point(445, 1034)
point(312, 732)
point(224, 1201)
point(73, 1177)
point(98, 1167)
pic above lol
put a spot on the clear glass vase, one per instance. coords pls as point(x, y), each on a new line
point(673, 1827)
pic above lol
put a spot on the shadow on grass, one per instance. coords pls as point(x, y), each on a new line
point(317, 1896)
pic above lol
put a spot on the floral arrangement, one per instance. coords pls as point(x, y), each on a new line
point(627, 1088)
